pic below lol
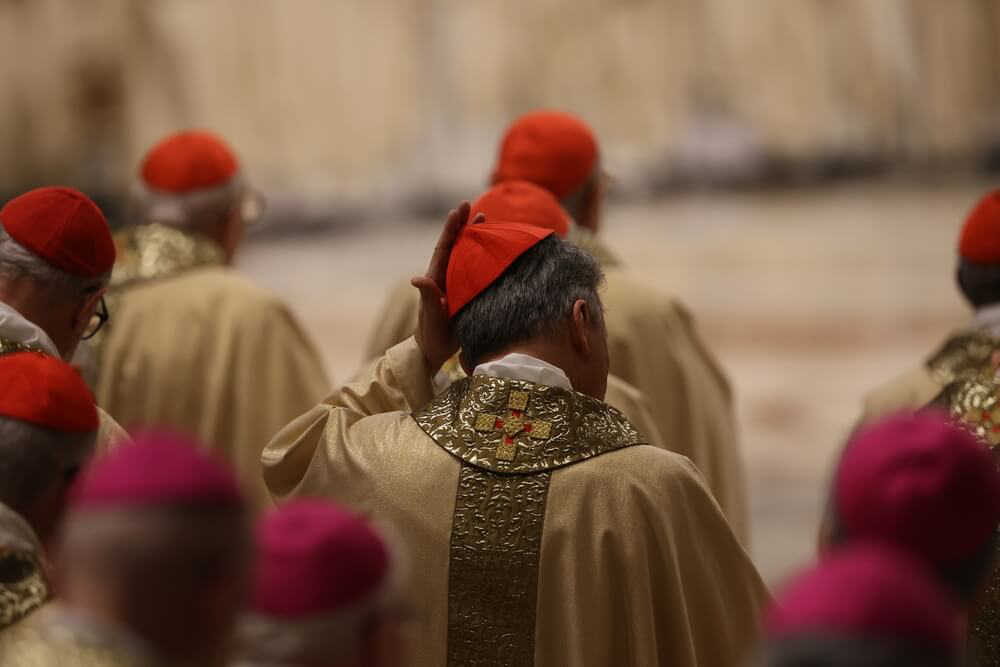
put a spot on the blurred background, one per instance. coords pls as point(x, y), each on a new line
point(795, 171)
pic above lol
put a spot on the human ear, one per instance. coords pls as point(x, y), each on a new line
point(579, 327)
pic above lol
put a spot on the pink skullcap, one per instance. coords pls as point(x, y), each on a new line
point(316, 558)
point(921, 482)
point(865, 591)
point(156, 470)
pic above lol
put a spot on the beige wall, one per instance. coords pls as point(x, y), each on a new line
point(362, 97)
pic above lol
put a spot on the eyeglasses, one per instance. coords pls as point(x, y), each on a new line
point(97, 320)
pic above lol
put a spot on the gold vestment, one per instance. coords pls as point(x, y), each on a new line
point(540, 529)
point(975, 400)
point(24, 585)
point(655, 348)
point(962, 355)
point(194, 347)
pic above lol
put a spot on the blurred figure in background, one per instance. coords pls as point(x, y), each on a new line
point(922, 483)
point(967, 351)
point(194, 347)
point(543, 529)
point(653, 343)
point(328, 592)
point(56, 255)
point(152, 565)
point(48, 426)
point(864, 606)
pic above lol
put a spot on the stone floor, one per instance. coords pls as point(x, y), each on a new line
point(808, 298)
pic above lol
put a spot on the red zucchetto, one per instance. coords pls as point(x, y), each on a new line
point(156, 470)
point(521, 201)
point(62, 226)
point(47, 392)
point(867, 592)
point(482, 253)
point(315, 558)
point(553, 149)
point(920, 482)
point(189, 161)
point(980, 238)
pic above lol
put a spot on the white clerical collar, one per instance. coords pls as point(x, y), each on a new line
point(18, 328)
point(987, 318)
point(516, 366)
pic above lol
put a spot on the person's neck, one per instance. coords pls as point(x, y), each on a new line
point(25, 302)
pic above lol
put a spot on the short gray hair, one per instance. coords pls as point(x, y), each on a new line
point(530, 298)
point(30, 455)
point(200, 210)
point(19, 263)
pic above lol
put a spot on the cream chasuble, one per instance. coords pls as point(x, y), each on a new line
point(59, 637)
point(654, 348)
point(24, 585)
point(193, 346)
point(540, 528)
point(17, 334)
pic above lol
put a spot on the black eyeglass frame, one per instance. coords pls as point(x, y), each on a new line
point(101, 313)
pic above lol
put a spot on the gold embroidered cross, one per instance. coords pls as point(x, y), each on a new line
point(513, 425)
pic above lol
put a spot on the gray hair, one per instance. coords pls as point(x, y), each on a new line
point(200, 210)
point(19, 263)
point(32, 455)
point(529, 299)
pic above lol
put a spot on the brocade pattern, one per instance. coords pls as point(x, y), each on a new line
point(497, 527)
point(963, 355)
point(152, 251)
point(22, 586)
point(8, 346)
point(975, 400)
point(580, 426)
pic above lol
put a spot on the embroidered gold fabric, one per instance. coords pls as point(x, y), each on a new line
point(151, 251)
point(975, 400)
point(22, 586)
point(583, 238)
point(962, 355)
point(500, 502)
point(579, 426)
point(8, 346)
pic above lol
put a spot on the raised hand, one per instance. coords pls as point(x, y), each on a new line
point(434, 334)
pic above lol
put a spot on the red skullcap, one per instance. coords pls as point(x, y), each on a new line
point(482, 253)
point(918, 481)
point(63, 227)
point(553, 149)
point(521, 201)
point(980, 239)
point(45, 391)
point(865, 591)
point(156, 470)
point(316, 558)
point(186, 161)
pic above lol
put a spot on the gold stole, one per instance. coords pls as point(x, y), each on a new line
point(974, 399)
point(962, 356)
point(153, 252)
point(510, 435)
